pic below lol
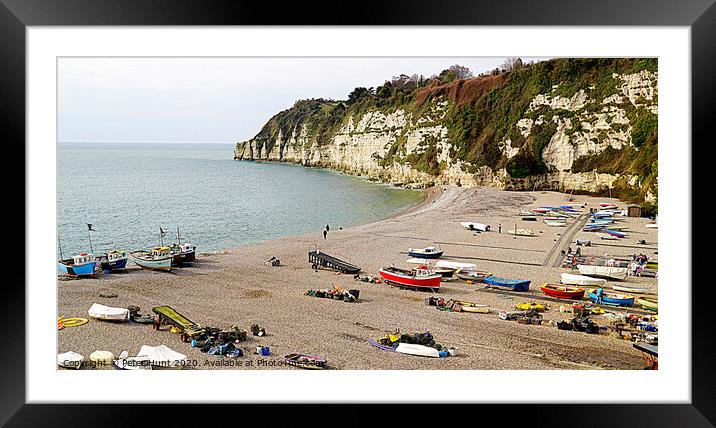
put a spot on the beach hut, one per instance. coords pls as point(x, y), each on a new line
point(634, 210)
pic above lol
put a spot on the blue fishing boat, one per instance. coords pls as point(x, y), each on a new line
point(83, 264)
point(601, 297)
point(425, 253)
point(513, 284)
point(615, 233)
point(113, 260)
point(602, 215)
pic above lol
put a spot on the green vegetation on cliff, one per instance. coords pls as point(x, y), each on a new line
point(482, 112)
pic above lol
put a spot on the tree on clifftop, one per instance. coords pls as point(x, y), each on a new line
point(455, 72)
point(359, 93)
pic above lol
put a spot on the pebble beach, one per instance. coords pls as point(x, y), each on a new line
point(236, 287)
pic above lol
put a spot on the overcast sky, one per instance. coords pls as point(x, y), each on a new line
point(191, 100)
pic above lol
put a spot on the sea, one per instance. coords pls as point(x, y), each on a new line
point(131, 192)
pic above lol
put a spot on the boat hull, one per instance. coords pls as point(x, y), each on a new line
point(570, 279)
point(608, 272)
point(562, 292)
point(85, 269)
point(164, 264)
point(422, 255)
point(611, 299)
point(647, 303)
point(114, 264)
point(427, 283)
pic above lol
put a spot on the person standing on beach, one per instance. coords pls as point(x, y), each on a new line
point(328, 229)
point(499, 228)
point(325, 232)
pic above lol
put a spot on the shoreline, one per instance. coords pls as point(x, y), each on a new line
point(236, 288)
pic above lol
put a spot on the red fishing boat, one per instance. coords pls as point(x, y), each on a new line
point(419, 278)
point(562, 291)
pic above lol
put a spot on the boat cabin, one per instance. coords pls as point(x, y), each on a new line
point(160, 251)
point(423, 271)
point(82, 258)
point(116, 255)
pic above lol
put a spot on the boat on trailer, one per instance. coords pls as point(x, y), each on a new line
point(421, 277)
point(562, 291)
point(425, 253)
point(83, 264)
point(158, 258)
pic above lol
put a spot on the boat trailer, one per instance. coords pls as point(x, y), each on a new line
point(166, 315)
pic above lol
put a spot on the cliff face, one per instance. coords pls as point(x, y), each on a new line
point(583, 125)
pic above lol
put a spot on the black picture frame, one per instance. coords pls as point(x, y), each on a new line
point(16, 15)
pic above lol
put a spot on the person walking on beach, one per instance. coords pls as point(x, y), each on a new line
point(325, 232)
point(328, 229)
point(499, 228)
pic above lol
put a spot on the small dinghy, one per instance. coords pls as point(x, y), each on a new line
point(607, 237)
point(475, 226)
point(419, 350)
point(571, 279)
point(608, 272)
point(313, 362)
point(521, 232)
point(108, 313)
point(651, 226)
point(648, 303)
point(601, 297)
point(562, 291)
point(465, 306)
point(555, 223)
point(477, 276)
point(512, 284)
point(425, 253)
point(162, 357)
point(630, 289)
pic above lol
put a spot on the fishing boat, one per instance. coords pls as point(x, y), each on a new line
point(556, 223)
point(465, 306)
point(513, 284)
point(445, 273)
point(83, 264)
point(113, 260)
point(521, 232)
point(649, 303)
point(458, 266)
point(603, 271)
point(600, 296)
point(475, 226)
point(425, 253)
point(562, 291)
point(304, 361)
point(630, 289)
point(419, 278)
point(183, 254)
point(571, 279)
point(159, 258)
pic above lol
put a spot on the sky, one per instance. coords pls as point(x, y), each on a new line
point(215, 100)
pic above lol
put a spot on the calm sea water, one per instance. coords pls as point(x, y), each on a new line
point(127, 191)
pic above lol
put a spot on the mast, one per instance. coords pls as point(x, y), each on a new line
point(59, 244)
point(89, 236)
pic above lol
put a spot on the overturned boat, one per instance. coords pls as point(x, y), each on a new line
point(475, 226)
point(608, 272)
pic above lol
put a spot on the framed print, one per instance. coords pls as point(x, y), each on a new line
point(421, 205)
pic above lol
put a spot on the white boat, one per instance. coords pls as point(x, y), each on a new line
point(161, 356)
point(464, 267)
point(109, 313)
point(70, 360)
point(556, 223)
point(571, 279)
point(607, 236)
point(631, 289)
point(475, 226)
point(417, 261)
point(419, 350)
point(610, 272)
point(651, 226)
point(521, 232)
